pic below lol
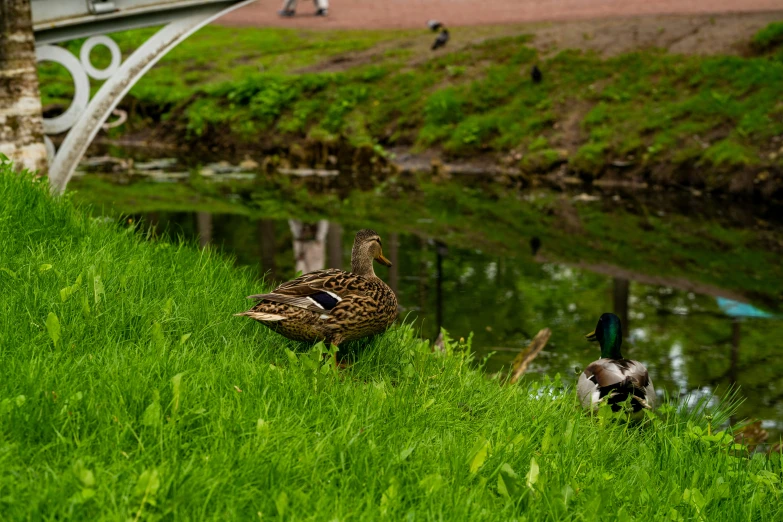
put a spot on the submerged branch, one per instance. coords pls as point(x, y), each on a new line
point(523, 360)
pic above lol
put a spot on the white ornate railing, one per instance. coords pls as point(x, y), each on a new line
point(85, 117)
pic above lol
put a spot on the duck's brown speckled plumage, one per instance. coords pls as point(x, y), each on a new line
point(332, 305)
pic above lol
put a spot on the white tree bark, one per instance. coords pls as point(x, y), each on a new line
point(21, 122)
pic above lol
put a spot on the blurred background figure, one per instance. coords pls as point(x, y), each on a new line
point(289, 8)
point(441, 40)
point(309, 244)
point(536, 75)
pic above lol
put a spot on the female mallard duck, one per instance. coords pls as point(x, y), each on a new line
point(332, 305)
point(612, 378)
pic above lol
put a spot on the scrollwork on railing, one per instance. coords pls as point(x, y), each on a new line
point(88, 114)
point(81, 70)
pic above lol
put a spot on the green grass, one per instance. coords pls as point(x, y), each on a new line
point(128, 391)
point(240, 86)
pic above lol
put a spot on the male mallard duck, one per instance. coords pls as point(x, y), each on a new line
point(332, 305)
point(611, 377)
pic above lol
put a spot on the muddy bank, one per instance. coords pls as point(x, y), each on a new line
point(366, 166)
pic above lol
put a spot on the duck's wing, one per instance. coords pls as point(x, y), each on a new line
point(318, 291)
point(636, 372)
point(638, 377)
point(598, 377)
point(603, 376)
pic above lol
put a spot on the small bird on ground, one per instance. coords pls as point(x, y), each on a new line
point(535, 245)
point(332, 305)
point(434, 25)
point(441, 40)
point(613, 379)
point(536, 75)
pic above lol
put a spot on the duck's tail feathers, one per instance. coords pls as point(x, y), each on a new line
point(262, 316)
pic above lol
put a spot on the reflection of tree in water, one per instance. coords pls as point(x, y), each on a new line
point(501, 301)
point(394, 257)
point(441, 251)
point(694, 344)
point(266, 238)
point(309, 244)
point(621, 294)
point(334, 245)
point(204, 224)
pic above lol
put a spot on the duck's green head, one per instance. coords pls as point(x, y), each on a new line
point(609, 334)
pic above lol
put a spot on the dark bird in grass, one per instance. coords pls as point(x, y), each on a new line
point(441, 40)
point(434, 25)
point(612, 378)
point(536, 75)
point(535, 244)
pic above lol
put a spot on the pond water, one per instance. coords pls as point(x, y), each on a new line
point(691, 321)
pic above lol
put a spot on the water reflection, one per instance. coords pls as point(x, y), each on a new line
point(266, 238)
point(204, 220)
point(309, 244)
point(621, 289)
point(688, 341)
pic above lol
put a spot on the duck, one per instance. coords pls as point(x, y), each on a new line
point(332, 305)
point(612, 378)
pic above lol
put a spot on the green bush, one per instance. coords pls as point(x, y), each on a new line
point(769, 37)
point(443, 107)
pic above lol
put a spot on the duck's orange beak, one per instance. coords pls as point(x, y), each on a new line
point(382, 260)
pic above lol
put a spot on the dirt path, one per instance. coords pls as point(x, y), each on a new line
point(397, 14)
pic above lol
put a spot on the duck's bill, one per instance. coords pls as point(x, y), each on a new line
point(591, 336)
point(382, 260)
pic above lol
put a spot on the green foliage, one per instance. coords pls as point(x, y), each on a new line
point(729, 153)
point(590, 157)
point(443, 107)
point(769, 37)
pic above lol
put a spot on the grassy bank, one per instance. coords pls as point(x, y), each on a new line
point(711, 121)
point(127, 390)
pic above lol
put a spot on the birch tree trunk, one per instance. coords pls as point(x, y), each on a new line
point(21, 123)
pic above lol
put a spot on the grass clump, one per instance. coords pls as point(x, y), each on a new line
point(769, 37)
point(128, 391)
